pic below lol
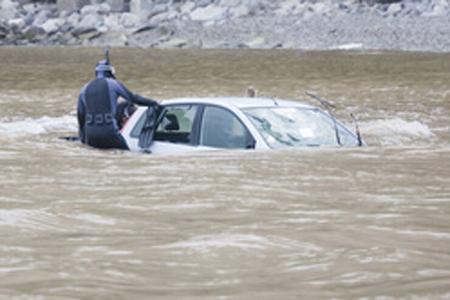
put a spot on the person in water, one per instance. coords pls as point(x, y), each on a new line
point(125, 110)
point(97, 109)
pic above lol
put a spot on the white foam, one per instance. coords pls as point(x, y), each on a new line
point(30, 126)
point(93, 218)
point(350, 46)
point(206, 242)
point(28, 219)
point(396, 131)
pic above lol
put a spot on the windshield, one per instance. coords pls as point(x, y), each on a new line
point(292, 126)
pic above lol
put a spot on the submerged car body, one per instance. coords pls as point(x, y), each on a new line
point(190, 124)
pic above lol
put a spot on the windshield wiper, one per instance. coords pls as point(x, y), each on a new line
point(328, 106)
point(358, 133)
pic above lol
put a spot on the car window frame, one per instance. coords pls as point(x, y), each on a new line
point(194, 130)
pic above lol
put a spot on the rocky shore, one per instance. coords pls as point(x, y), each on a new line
point(412, 25)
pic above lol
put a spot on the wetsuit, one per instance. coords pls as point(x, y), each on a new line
point(96, 111)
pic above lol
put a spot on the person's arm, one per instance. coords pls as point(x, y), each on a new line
point(135, 98)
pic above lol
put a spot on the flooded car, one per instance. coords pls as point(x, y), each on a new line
point(191, 124)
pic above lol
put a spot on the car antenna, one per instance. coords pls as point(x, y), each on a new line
point(328, 106)
point(274, 99)
point(107, 55)
point(358, 133)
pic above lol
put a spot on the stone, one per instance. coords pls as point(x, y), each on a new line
point(66, 27)
point(239, 11)
point(8, 9)
point(52, 25)
point(90, 9)
point(174, 43)
point(17, 23)
point(88, 22)
point(112, 21)
point(102, 29)
point(187, 7)
point(208, 13)
point(3, 32)
point(116, 5)
point(129, 20)
point(73, 19)
point(31, 8)
point(230, 3)
point(394, 9)
point(204, 3)
point(104, 8)
point(145, 28)
point(32, 33)
point(438, 8)
point(41, 17)
point(71, 5)
point(138, 6)
point(112, 39)
point(82, 32)
point(258, 42)
point(286, 7)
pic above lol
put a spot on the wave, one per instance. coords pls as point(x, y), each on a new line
point(396, 131)
point(36, 126)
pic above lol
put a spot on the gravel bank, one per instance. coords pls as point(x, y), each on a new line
point(414, 25)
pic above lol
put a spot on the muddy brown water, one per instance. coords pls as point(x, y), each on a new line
point(371, 223)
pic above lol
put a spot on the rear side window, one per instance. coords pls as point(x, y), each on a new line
point(176, 124)
point(222, 129)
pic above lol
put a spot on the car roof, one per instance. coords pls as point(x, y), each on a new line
point(239, 102)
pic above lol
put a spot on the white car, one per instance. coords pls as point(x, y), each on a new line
point(191, 124)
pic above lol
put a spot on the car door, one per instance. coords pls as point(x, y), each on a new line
point(221, 128)
point(175, 131)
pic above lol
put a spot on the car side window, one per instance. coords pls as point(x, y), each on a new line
point(176, 124)
point(222, 129)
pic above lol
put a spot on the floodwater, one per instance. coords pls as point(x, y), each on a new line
point(370, 223)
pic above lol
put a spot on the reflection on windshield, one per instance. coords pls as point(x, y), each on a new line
point(291, 126)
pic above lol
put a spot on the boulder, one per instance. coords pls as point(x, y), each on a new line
point(129, 20)
point(88, 22)
point(208, 13)
point(239, 11)
point(73, 19)
point(438, 8)
point(394, 9)
point(33, 33)
point(204, 3)
point(4, 30)
point(104, 8)
point(116, 5)
point(41, 17)
point(52, 25)
point(112, 22)
point(157, 10)
point(230, 3)
point(258, 42)
point(90, 9)
point(145, 28)
point(8, 9)
point(174, 43)
point(187, 7)
point(31, 8)
point(71, 5)
point(138, 6)
point(17, 23)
